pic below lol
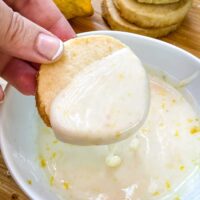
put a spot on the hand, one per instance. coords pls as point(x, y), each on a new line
point(27, 37)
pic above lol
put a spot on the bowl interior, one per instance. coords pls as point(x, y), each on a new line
point(18, 115)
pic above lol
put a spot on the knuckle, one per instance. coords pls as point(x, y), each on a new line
point(15, 29)
point(17, 5)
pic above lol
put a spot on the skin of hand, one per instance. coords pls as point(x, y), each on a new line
point(31, 31)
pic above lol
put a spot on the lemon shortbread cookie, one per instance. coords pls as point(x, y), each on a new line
point(116, 22)
point(53, 78)
point(149, 15)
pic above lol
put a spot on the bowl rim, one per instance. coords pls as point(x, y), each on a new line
point(29, 191)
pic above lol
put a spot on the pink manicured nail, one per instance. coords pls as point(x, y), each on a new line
point(49, 47)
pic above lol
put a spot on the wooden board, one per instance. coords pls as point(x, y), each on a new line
point(186, 37)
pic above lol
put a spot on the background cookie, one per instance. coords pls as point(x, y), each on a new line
point(116, 22)
point(150, 15)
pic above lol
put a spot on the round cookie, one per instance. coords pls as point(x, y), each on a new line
point(151, 15)
point(78, 53)
point(111, 15)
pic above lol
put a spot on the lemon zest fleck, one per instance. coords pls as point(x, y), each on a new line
point(177, 133)
point(117, 135)
point(65, 185)
point(168, 185)
point(29, 182)
point(156, 193)
point(177, 198)
point(194, 130)
point(189, 120)
point(53, 155)
point(55, 141)
point(173, 100)
point(51, 181)
point(43, 163)
point(145, 130)
point(163, 105)
point(182, 167)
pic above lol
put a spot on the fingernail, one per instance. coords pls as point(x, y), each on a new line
point(49, 47)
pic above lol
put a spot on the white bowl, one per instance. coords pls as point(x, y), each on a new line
point(18, 115)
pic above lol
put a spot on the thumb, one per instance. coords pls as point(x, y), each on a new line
point(21, 38)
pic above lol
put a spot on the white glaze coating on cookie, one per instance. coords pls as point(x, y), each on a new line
point(104, 103)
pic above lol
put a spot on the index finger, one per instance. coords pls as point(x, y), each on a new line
point(46, 14)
